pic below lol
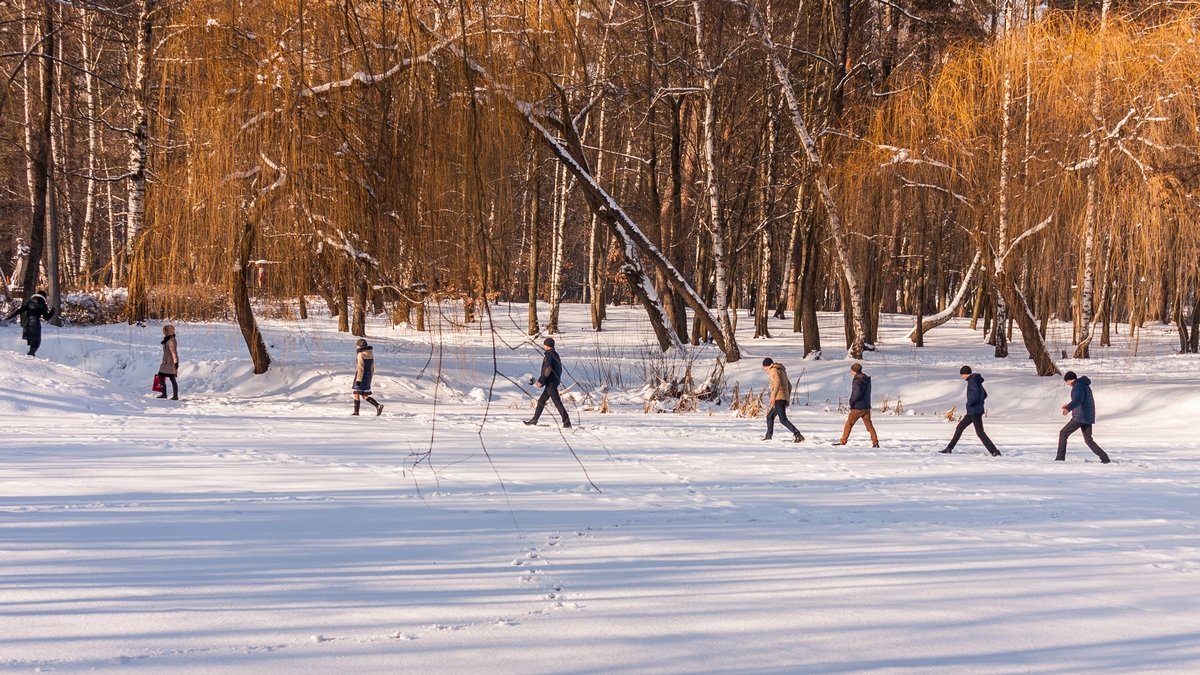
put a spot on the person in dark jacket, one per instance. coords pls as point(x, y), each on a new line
point(169, 368)
point(549, 380)
point(781, 394)
point(32, 312)
point(1082, 409)
point(976, 395)
point(860, 405)
point(364, 372)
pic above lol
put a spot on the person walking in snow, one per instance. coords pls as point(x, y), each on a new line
point(169, 368)
point(976, 395)
point(363, 374)
point(860, 405)
point(781, 393)
point(549, 380)
point(32, 312)
point(1082, 409)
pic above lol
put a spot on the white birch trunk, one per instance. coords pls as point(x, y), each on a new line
point(87, 255)
point(140, 114)
point(817, 168)
point(1087, 291)
point(716, 225)
point(562, 187)
point(27, 105)
point(1000, 326)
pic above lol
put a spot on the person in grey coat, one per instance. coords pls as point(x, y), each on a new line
point(1082, 409)
point(169, 368)
point(976, 395)
point(32, 312)
point(363, 374)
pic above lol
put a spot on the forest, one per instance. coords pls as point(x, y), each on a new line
point(706, 160)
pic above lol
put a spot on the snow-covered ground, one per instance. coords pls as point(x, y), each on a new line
point(254, 526)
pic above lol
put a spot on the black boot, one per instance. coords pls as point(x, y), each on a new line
point(567, 424)
point(356, 404)
point(530, 423)
point(798, 438)
point(946, 451)
point(378, 408)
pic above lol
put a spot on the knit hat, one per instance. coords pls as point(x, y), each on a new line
point(767, 361)
point(362, 342)
point(1069, 376)
point(965, 370)
point(856, 367)
point(549, 342)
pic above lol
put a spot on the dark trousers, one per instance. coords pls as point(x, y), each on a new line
point(1069, 429)
point(174, 385)
point(976, 420)
point(34, 343)
point(550, 392)
point(779, 410)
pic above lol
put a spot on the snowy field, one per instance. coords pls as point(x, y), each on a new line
point(256, 527)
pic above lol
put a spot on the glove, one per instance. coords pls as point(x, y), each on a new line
point(176, 365)
point(357, 383)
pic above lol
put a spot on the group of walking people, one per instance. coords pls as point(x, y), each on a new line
point(1081, 408)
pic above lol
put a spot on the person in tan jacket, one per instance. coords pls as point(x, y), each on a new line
point(781, 393)
point(169, 368)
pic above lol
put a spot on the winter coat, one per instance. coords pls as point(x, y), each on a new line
point(33, 311)
point(365, 371)
point(976, 394)
point(781, 387)
point(551, 369)
point(170, 359)
point(860, 392)
point(1082, 405)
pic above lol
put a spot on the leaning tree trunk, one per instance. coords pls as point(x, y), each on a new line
point(1027, 323)
point(630, 239)
point(818, 170)
point(241, 302)
point(927, 324)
